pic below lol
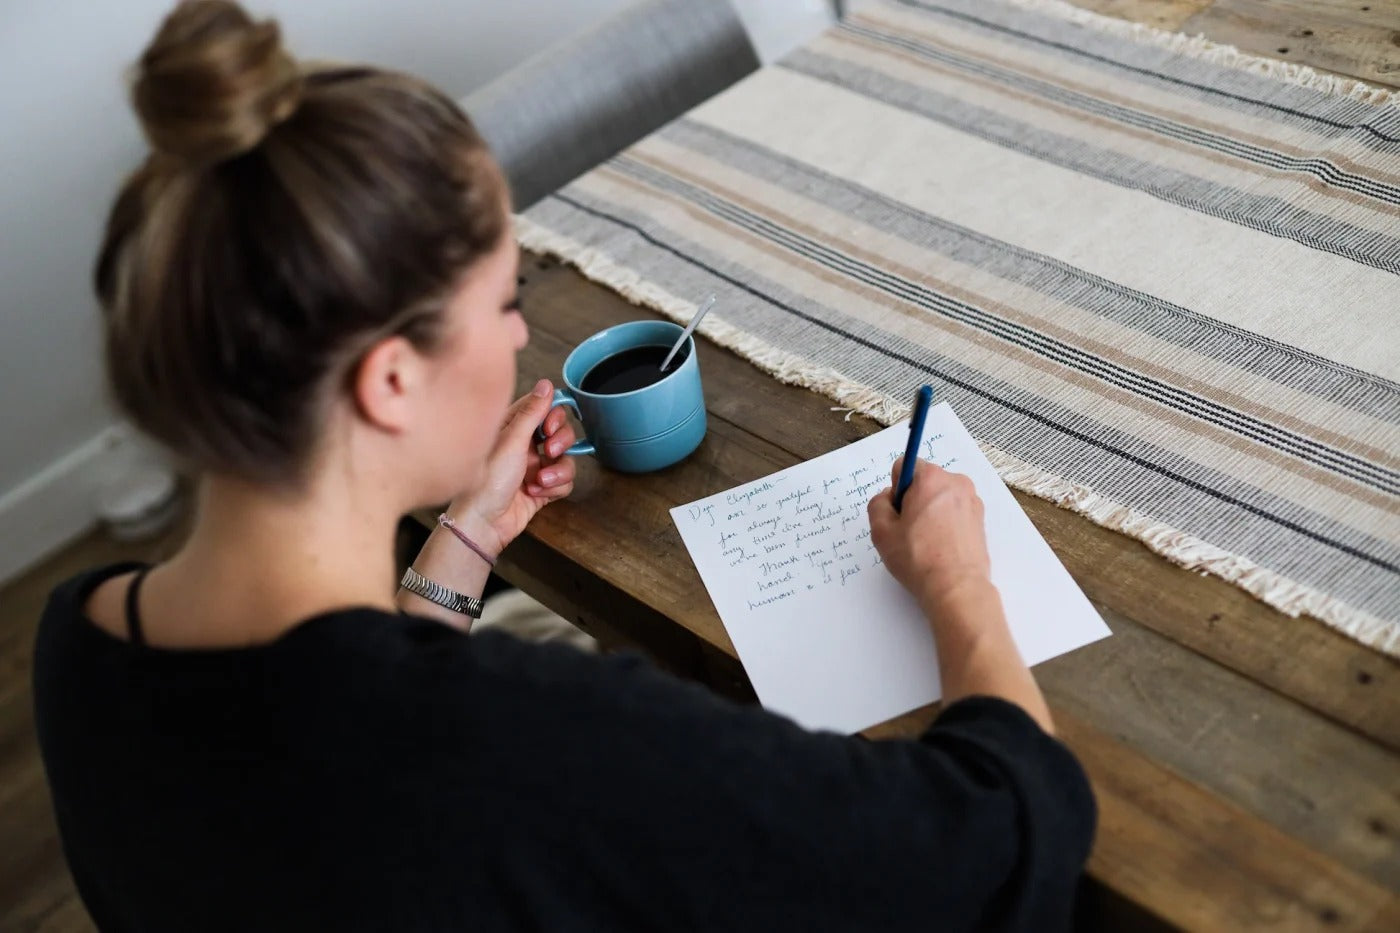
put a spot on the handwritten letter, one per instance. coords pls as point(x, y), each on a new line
point(826, 634)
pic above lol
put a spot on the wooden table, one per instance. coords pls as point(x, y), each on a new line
point(1247, 765)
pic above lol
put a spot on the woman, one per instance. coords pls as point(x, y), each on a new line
point(309, 290)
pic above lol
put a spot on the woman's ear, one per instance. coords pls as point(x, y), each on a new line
point(387, 382)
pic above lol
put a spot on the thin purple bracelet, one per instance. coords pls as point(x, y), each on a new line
point(451, 526)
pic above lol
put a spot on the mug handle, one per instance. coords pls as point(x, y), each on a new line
point(581, 446)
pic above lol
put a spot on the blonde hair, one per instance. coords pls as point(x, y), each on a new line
point(285, 218)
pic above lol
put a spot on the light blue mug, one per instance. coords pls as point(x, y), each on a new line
point(645, 429)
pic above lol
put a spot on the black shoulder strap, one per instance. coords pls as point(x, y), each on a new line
point(133, 612)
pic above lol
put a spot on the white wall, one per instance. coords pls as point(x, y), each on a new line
point(69, 137)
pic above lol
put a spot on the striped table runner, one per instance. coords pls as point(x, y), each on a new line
point(1158, 279)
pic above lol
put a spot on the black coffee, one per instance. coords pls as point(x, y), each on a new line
point(632, 369)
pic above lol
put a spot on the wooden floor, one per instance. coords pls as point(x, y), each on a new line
point(36, 892)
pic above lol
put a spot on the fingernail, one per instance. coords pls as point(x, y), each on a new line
point(542, 388)
point(547, 477)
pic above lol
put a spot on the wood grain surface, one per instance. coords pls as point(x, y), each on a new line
point(1163, 14)
point(1355, 39)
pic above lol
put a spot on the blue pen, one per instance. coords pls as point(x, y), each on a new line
point(922, 399)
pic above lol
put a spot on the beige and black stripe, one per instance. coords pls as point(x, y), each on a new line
point(1271, 215)
point(1161, 279)
point(1297, 107)
point(1271, 359)
point(1297, 444)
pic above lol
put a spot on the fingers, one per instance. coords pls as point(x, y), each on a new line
point(526, 413)
point(550, 493)
point(560, 438)
point(882, 500)
point(555, 473)
point(881, 513)
point(554, 420)
point(937, 488)
point(920, 466)
point(897, 468)
point(550, 479)
point(928, 476)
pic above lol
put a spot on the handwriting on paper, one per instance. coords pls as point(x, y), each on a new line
point(826, 635)
point(787, 535)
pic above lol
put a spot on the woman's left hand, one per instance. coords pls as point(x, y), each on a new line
point(519, 481)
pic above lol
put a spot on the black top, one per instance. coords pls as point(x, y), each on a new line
point(385, 772)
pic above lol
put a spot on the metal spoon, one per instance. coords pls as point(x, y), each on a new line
point(704, 309)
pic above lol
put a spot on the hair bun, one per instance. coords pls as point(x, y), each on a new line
point(213, 82)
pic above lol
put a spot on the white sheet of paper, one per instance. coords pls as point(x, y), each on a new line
point(826, 635)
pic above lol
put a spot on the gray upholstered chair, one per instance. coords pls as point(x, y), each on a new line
point(567, 109)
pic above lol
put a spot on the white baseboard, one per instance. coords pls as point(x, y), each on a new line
point(56, 505)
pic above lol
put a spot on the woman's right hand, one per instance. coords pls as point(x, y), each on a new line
point(937, 546)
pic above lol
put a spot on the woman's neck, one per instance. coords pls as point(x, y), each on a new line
point(261, 560)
